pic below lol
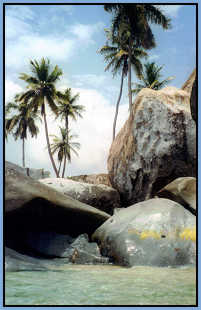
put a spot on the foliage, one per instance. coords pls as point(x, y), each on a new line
point(42, 91)
point(21, 122)
point(68, 107)
point(116, 54)
point(64, 145)
point(151, 78)
point(131, 24)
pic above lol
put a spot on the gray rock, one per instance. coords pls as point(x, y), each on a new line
point(31, 172)
point(101, 178)
point(15, 261)
point(183, 191)
point(156, 232)
point(100, 196)
point(83, 252)
point(156, 145)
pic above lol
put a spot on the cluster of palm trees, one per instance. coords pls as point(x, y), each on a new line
point(127, 41)
point(29, 104)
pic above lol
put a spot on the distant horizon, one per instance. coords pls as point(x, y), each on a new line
point(70, 36)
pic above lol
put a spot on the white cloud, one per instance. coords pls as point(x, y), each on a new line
point(154, 57)
point(86, 32)
point(24, 42)
point(29, 47)
point(89, 80)
point(170, 10)
point(22, 12)
point(11, 89)
point(15, 27)
point(62, 8)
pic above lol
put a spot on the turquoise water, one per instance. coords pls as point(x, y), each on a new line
point(102, 285)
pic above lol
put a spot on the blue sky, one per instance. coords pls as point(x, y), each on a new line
point(70, 36)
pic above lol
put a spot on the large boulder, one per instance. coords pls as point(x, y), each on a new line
point(183, 191)
point(100, 196)
point(190, 86)
point(33, 206)
point(156, 232)
point(156, 145)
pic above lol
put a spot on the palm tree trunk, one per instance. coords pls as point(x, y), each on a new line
point(129, 75)
point(65, 156)
point(59, 167)
point(48, 144)
point(23, 153)
point(117, 105)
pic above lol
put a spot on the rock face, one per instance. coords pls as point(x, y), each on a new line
point(190, 86)
point(183, 191)
point(156, 232)
point(156, 145)
point(101, 178)
point(32, 206)
point(193, 101)
point(99, 196)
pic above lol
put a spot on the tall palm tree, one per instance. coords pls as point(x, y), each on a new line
point(21, 122)
point(132, 23)
point(42, 92)
point(117, 57)
point(64, 145)
point(151, 78)
point(68, 107)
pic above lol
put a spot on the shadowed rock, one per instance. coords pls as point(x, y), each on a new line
point(100, 196)
point(75, 250)
point(17, 262)
point(32, 206)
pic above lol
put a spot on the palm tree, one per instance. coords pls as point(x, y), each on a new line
point(68, 107)
point(151, 78)
point(21, 122)
point(117, 57)
point(131, 23)
point(42, 92)
point(64, 146)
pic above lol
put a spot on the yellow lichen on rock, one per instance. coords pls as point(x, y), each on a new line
point(150, 234)
point(188, 234)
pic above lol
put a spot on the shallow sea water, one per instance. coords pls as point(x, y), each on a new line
point(102, 285)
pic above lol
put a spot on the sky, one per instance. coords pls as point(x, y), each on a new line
point(70, 36)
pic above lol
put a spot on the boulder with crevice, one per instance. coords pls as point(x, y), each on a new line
point(101, 178)
point(99, 196)
point(156, 145)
